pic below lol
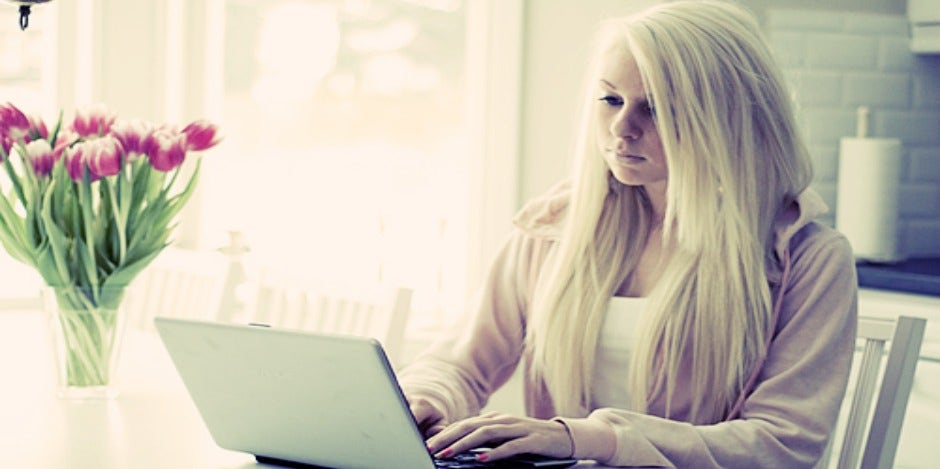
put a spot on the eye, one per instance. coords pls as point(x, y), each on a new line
point(611, 100)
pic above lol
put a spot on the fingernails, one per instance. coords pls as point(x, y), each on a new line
point(446, 453)
point(482, 457)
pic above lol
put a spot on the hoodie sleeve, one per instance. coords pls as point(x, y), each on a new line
point(787, 419)
point(458, 373)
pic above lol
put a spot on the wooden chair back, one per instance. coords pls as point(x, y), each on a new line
point(179, 283)
point(382, 314)
point(870, 438)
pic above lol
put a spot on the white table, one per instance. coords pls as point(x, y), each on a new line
point(152, 424)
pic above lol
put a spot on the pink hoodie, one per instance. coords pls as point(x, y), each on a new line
point(786, 418)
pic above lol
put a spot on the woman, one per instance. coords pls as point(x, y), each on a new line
point(675, 304)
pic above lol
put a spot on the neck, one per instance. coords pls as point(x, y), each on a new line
point(657, 195)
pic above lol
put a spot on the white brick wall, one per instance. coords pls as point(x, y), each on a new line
point(837, 61)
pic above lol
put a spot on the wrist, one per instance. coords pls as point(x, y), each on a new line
point(591, 438)
point(568, 433)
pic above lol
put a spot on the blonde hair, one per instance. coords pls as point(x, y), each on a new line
point(734, 158)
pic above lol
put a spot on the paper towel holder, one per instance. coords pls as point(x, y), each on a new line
point(861, 121)
point(867, 198)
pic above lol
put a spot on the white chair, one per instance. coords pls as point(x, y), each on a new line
point(179, 283)
point(382, 314)
point(871, 438)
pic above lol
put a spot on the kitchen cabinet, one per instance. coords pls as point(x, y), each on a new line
point(925, 26)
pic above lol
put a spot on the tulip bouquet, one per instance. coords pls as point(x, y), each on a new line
point(89, 205)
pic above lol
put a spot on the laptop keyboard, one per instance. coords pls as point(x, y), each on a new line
point(461, 461)
point(468, 461)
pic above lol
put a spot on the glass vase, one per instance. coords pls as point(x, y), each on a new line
point(87, 327)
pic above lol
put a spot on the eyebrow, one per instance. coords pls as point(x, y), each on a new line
point(609, 84)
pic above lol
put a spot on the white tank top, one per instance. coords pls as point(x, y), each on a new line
point(615, 345)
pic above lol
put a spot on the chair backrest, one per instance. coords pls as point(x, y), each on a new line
point(179, 283)
point(382, 314)
point(870, 439)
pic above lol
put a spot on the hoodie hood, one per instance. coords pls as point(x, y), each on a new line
point(544, 216)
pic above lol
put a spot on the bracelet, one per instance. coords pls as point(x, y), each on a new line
point(568, 431)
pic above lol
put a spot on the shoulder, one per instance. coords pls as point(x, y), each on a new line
point(822, 285)
point(812, 248)
point(544, 215)
point(816, 244)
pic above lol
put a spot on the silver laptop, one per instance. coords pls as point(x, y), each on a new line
point(298, 398)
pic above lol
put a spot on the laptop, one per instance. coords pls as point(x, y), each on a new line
point(302, 399)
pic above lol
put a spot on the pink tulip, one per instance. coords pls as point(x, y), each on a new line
point(201, 135)
point(40, 155)
point(104, 156)
point(14, 125)
point(75, 161)
point(165, 148)
point(65, 138)
point(131, 134)
point(93, 122)
point(37, 127)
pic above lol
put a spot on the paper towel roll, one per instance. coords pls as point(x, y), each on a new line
point(867, 203)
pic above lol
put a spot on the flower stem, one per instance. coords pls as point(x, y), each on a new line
point(89, 333)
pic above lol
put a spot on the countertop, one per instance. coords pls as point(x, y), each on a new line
point(921, 276)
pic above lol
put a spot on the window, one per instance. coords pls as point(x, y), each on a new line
point(350, 149)
point(344, 149)
point(365, 140)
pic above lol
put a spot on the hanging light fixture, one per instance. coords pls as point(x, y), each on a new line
point(24, 9)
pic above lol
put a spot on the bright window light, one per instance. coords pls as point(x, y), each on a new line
point(345, 160)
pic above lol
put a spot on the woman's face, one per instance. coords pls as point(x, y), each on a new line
point(626, 127)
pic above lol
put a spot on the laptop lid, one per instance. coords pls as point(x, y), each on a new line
point(295, 396)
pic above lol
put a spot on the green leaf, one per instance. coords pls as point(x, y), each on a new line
point(58, 242)
point(87, 211)
point(34, 232)
point(58, 125)
point(46, 265)
point(111, 199)
point(16, 251)
point(28, 178)
point(13, 233)
point(137, 192)
point(86, 270)
point(176, 203)
point(126, 273)
point(14, 177)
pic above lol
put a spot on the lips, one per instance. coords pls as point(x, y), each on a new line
point(630, 156)
point(627, 158)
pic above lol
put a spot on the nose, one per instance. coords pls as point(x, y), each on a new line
point(625, 126)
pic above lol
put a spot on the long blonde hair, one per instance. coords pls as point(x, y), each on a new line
point(735, 159)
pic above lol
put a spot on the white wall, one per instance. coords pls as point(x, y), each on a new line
point(836, 61)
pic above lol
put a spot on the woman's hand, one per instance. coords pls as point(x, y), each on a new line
point(430, 420)
point(507, 435)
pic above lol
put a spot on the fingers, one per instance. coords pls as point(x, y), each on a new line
point(506, 435)
point(473, 433)
point(432, 430)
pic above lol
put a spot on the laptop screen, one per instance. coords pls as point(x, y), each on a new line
point(288, 395)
